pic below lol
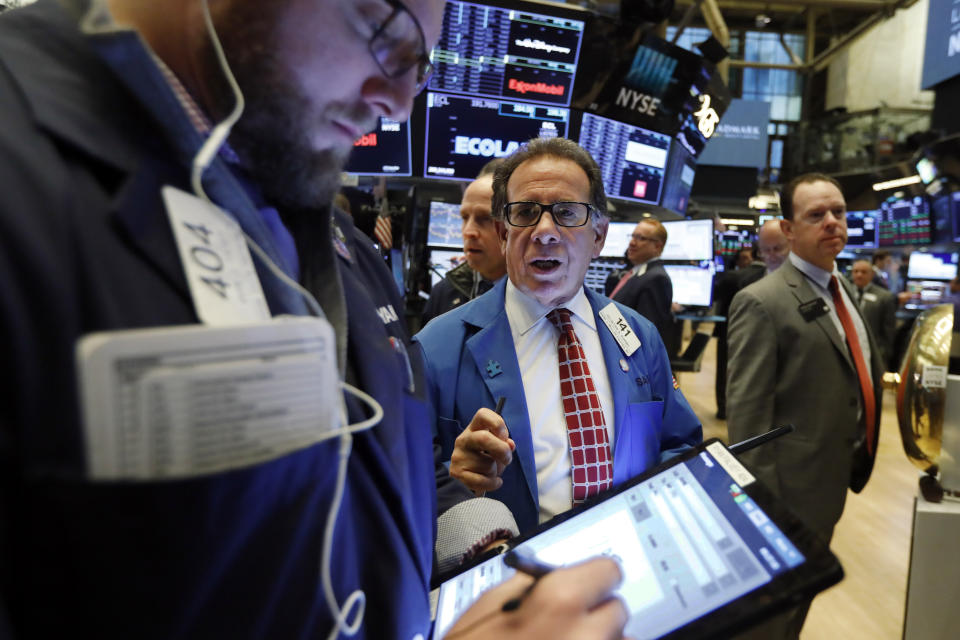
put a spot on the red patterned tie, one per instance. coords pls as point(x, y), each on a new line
point(853, 342)
point(591, 468)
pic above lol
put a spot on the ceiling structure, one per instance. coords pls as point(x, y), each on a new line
point(829, 25)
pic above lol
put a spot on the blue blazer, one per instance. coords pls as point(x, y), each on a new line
point(471, 361)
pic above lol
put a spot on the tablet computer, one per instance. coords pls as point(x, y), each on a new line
point(705, 550)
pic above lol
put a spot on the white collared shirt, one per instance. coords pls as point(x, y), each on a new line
point(535, 340)
point(820, 281)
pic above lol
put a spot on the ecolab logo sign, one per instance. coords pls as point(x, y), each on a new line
point(483, 147)
point(537, 87)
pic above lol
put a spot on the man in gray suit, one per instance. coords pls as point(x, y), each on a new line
point(797, 340)
point(879, 309)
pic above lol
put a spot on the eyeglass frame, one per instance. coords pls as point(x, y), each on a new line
point(549, 207)
point(424, 65)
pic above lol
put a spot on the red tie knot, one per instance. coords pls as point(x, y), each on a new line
point(561, 320)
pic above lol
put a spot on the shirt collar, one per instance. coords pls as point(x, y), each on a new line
point(526, 311)
point(812, 271)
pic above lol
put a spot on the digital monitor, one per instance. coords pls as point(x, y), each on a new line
point(681, 168)
point(904, 222)
point(692, 286)
point(926, 293)
point(763, 217)
point(444, 228)
point(442, 261)
point(522, 52)
point(688, 240)
point(932, 266)
point(942, 216)
point(463, 134)
point(618, 237)
point(731, 242)
point(385, 151)
point(632, 160)
point(703, 549)
point(862, 229)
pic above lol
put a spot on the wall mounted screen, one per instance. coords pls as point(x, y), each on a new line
point(862, 229)
point(633, 160)
point(385, 151)
point(904, 222)
point(463, 134)
point(524, 53)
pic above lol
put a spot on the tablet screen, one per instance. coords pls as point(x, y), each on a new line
point(689, 540)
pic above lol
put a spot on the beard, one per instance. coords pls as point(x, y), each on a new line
point(273, 136)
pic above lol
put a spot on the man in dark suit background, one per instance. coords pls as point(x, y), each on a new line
point(879, 309)
point(646, 287)
point(801, 353)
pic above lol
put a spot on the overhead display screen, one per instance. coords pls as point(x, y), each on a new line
point(498, 52)
point(463, 134)
point(904, 222)
point(681, 168)
point(688, 240)
point(862, 229)
point(932, 266)
point(385, 151)
point(632, 160)
point(740, 139)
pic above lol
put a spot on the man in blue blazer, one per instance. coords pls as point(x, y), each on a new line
point(502, 345)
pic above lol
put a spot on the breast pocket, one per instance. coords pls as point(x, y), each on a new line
point(637, 445)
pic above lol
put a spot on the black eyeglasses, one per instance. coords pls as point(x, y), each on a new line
point(564, 214)
point(399, 45)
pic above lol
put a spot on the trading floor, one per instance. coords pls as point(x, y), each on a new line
point(872, 539)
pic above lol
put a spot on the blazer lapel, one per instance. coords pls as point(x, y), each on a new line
point(619, 380)
point(803, 292)
point(495, 357)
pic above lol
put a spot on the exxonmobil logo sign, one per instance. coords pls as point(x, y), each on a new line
point(535, 87)
point(368, 140)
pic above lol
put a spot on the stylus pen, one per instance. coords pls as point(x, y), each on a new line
point(500, 402)
point(528, 565)
point(755, 441)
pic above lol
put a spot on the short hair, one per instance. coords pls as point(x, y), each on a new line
point(880, 256)
point(786, 195)
point(561, 148)
point(659, 231)
point(490, 167)
point(860, 259)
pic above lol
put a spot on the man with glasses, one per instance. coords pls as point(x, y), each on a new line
point(588, 397)
point(111, 164)
point(645, 287)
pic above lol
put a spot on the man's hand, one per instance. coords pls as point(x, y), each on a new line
point(481, 452)
point(575, 603)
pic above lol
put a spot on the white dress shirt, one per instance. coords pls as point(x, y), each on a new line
point(535, 340)
point(820, 280)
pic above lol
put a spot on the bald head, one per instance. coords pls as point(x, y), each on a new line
point(772, 244)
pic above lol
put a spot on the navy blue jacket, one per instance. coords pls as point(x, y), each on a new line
point(85, 246)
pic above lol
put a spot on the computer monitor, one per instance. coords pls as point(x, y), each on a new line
point(681, 168)
point(632, 160)
point(904, 222)
point(463, 133)
point(442, 261)
point(385, 151)
point(932, 266)
point(688, 240)
point(731, 242)
point(444, 228)
point(618, 237)
point(509, 49)
point(926, 293)
point(862, 229)
point(692, 285)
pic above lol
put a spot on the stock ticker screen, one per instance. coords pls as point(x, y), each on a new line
point(385, 151)
point(632, 160)
point(862, 229)
point(497, 52)
point(904, 222)
point(464, 133)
